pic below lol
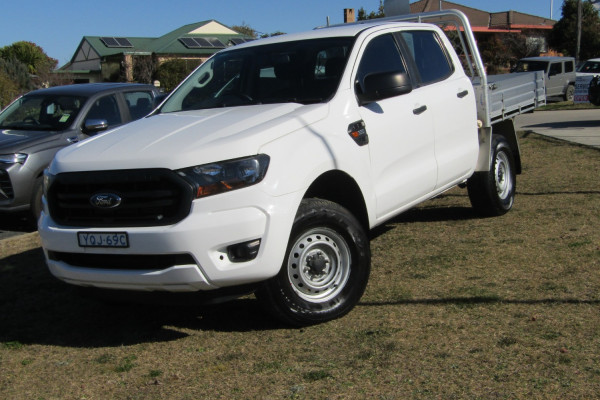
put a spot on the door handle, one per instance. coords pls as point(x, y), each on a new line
point(420, 110)
point(73, 139)
point(462, 94)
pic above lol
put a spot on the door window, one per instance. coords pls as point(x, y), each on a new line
point(430, 57)
point(569, 66)
point(555, 69)
point(105, 108)
point(381, 55)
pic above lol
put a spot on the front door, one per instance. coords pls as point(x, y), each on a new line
point(401, 136)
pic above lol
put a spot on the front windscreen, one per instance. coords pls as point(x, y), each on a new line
point(307, 71)
point(41, 112)
point(591, 67)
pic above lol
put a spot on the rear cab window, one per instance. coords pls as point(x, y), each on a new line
point(139, 103)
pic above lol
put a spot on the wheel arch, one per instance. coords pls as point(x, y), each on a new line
point(339, 187)
point(507, 129)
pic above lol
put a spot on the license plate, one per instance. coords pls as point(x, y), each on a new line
point(103, 239)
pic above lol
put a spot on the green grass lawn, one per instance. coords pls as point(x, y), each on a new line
point(458, 307)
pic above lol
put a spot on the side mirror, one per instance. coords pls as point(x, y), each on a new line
point(93, 126)
point(384, 85)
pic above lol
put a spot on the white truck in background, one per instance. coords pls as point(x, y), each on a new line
point(266, 168)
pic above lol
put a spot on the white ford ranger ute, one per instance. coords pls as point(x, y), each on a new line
point(267, 167)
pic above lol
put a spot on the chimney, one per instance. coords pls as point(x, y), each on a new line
point(349, 15)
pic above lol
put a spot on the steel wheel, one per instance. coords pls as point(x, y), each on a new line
point(319, 265)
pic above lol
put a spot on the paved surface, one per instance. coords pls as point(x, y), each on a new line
point(577, 126)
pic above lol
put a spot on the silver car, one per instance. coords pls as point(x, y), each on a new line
point(35, 126)
point(559, 71)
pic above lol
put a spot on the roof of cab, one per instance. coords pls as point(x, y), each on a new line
point(344, 30)
point(89, 89)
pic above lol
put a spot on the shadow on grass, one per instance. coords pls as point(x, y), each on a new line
point(588, 192)
point(36, 308)
point(476, 300)
point(426, 214)
point(573, 124)
point(17, 222)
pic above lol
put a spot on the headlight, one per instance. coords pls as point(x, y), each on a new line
point(17, 158)
point(229, 175)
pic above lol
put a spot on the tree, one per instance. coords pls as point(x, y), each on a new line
point(144, 68)
point(494, 52)
point(8, 89)
point(563, 37)
point(521, 46)
point(172, 72)
point(245, 29)
point(14, 80)
point(277, 33)
point(30, 54)
point(362, 14)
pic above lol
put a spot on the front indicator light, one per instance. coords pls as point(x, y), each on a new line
point(224, 176)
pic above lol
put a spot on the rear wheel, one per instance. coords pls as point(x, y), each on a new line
point(326, 266)
point(570, 94)
point(492, 192)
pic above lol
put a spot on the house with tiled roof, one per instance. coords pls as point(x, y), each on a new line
point(527, 33)
point(488, 22)
point(109, 58)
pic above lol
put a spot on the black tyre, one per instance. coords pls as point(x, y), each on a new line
point(326, 266)
point(570, 93)
point(492, 192)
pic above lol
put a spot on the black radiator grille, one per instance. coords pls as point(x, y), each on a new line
point(148, 197)
point(6, 189)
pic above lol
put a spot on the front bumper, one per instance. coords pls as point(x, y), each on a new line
point(213, 224)
point(16, 183)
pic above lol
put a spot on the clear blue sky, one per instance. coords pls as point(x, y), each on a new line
point(58, 26)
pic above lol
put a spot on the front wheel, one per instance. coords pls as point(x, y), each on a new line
point(326, 266)
point(492, 193)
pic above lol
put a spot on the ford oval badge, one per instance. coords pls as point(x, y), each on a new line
point(105, 200)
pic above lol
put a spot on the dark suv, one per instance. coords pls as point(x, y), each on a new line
point(35, 126)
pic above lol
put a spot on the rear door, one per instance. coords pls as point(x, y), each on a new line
point(450, 104)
